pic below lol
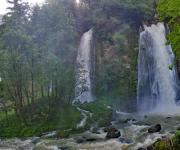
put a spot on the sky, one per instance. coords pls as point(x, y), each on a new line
point(4, 4)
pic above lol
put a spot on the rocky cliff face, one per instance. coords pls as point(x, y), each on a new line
point(116, 34)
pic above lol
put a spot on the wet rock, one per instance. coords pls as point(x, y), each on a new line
point(168, 117)
point(110, 128)
point(91, 137)
point(130, 119)
point(141, 148)
point(126, 120)
point(134, 119)
point(142, 123)
point(125, 140)
point(95, 129)
point(145, 116)
point(112, 133)
point(178, 128)
point(155, 128)
point(143, 130)
point(80, 140)
point(87, 138)
point(64, 148)
point(35, 140)
point(151, 147)
point(105, 129)
point(172, 132)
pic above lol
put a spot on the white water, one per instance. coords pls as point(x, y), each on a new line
point(157, 83)
point(85, 115)
point(135, 134)
point(83, 89)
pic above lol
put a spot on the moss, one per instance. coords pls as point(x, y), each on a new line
point(176, 141)
point(63, 134)
point(161, 145)
point(169, 144)
point(101, 114)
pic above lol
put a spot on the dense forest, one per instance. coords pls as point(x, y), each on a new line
point(38, 50)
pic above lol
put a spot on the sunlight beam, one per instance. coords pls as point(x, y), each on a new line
point(78, 1)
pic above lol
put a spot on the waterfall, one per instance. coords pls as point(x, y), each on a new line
point(84, 69)
point(157, 76)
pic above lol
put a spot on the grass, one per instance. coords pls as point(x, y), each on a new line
point(172, 144)
point(101, 113)
point(62, 117)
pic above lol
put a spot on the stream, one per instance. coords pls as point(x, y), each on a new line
point(133, 135)
point(85, 114)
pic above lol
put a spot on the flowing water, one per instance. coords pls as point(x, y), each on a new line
point(85, 115)
point(84, 69)
point(157, 91)
point(158, 83)
point(133, 136)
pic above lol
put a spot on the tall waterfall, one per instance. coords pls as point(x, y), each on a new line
point(157, 76)
point(84, 69)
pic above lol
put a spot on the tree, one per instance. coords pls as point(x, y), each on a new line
point(38, 54)
point(169, 12)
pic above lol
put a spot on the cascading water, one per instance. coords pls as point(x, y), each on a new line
point(84, 70)
point(157, 77)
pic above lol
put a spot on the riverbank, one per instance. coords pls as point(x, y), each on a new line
point(61, 118)
point(134, 135)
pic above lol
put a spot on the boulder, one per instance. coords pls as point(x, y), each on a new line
point(155, 128)
point(88, 138)
point(112, 133)
point(35, 140)
point(126, 120)
point(105, 129)
point(64, 148)
point(151, 147)
point(91, 139)
point(80, 140)
point(168, 117)
point(141, 148)
point(110, 128)
point(95, 129)
point(178, 128)
point(125, 140)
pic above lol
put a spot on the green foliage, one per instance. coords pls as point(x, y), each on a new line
point(161, 145)
point(169, 12)
point(169, 144)
point(171, 67)
point(129, 11)
point(116, 26)
point(38, 48)
point(101, 114)
point(63, 134)
point(116, 63)
point(38, 52)
point(176, 141)
point(63, 117)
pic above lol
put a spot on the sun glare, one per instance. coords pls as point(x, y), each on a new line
point(77, 1)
